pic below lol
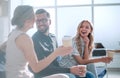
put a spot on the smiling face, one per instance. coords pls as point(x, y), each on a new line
point(85, 29)
point(42, 22)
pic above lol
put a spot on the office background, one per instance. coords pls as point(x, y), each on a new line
point(66, 15)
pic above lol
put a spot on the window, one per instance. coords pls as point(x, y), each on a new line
point(66, 15)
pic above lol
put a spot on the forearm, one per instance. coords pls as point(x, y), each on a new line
point(42, 64)
point(38, 66)
point(96, 60)
point(53, 70)
point(86, 53)
point(87, 61)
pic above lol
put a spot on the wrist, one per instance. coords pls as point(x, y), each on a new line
point(55, 54)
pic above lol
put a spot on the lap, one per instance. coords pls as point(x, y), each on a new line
point(88, 75)
point(61, 75)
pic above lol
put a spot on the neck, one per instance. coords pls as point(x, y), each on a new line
point(46, 33)
point(22, 29)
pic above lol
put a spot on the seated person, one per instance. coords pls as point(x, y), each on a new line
point(20, 49)
point(45, 43)
point(82, 47)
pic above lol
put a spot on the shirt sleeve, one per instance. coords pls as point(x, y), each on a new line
point(75, 51)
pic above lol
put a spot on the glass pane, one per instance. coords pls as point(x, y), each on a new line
point(38, 3)
point(107, 26)
point(69, 18)
point(52, 26)
point(106, 1)
point(73, 2)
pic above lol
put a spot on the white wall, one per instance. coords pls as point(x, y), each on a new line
point(107, 26)
point(13, 5)
point(69, 18)
point(8, 6)
point(3, 28)
point(106, 23)
point(4, 20)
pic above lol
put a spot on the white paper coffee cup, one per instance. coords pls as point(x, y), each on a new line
point(67, 41)
point(110, 54)
point(84, 68)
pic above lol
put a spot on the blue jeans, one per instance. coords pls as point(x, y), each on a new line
point(88, 75)
point(70, 75)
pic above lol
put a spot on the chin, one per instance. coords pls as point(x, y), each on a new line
point(31, 27)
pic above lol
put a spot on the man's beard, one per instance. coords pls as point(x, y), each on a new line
point(45, 30)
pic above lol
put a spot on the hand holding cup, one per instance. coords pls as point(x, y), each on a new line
point(82, 70)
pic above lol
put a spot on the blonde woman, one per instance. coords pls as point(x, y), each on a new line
point(82, 48)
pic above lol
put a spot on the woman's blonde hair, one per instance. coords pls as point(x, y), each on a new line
point(78, 37)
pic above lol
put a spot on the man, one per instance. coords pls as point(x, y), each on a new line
point(45, 43)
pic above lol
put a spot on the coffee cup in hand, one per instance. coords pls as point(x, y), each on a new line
point(67, 41)
point(83, 70)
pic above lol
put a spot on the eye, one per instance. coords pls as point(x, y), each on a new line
point(87, 27)
point(81, 26)
point(44, 20)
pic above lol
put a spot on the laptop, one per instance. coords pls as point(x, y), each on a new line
point(99, 52)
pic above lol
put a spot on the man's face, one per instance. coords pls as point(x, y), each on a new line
point(42, 22)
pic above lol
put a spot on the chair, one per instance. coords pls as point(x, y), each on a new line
point(100, 51)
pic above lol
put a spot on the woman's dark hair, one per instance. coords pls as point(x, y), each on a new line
point(21, 14)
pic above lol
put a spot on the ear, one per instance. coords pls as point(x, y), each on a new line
point(28, 21)
point(49, 21)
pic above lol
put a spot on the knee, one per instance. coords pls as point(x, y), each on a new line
point(62, 76)
point(71, 75)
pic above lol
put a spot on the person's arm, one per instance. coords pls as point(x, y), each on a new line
point(86, 55)
point(54, 70)
point(81, 60)
point(94, 60)
point(26, 45)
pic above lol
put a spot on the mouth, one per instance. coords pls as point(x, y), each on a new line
point(84, 32)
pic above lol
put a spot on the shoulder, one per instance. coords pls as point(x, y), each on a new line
point(52, 35)
point(35, 34)
point(23, 38)
point(23, 41)
point(73, 40)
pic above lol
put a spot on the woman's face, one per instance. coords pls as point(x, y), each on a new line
point(85, 29)
point(31, 22)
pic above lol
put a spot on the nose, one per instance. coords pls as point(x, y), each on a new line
point(40, 22)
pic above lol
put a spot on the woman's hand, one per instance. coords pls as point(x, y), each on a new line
point(86, 41)
point(106, 59)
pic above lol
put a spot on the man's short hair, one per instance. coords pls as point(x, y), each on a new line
point(41, 11)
